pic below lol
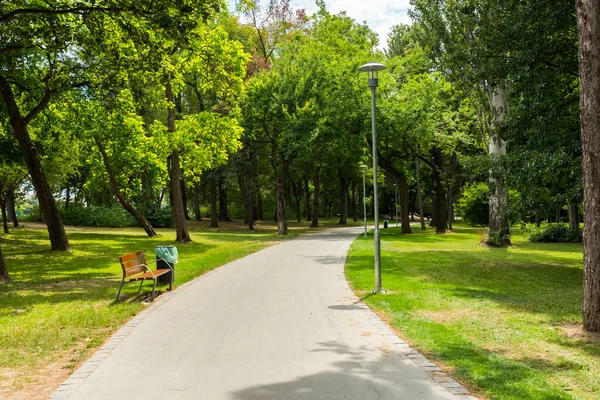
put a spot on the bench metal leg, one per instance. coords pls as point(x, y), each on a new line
point(120, 287)
point(141, 283)
point(153, 290)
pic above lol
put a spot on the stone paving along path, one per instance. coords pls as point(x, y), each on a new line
point(279, 324)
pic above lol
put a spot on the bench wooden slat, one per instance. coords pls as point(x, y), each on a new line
point(149, 275)
point(135, 268)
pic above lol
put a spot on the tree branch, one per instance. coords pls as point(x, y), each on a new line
point(9, 98)
point(75, 10)
point(43, 103)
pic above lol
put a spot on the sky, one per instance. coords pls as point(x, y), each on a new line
point(380, 15)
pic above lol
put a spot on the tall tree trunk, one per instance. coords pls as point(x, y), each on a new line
point(441, 222)
point(259, 203)
point(558, 207)
point(343, 184)
point(361, 200)
point(197, 213)
point(68, 197)
point(4, 216)
point(403, 192)
point(411, 203)
point(574, 216)
point(181, 228)
point(307, 194)
point(538, 217)
point(223, 201)
point(242, 180)
point(184, 197)
point(281, 220)
point(420, 194)
point(10, 206)
point(4, 277)
point(249, 194)
point(498, 218)
point(128, 207)
point(399, 177)
point(316, 193)
point(354, 204)
point(147, 197)
point(588, 20)
point(214, 216)
point(450, 207)
point(56, 229)
point(297, 193)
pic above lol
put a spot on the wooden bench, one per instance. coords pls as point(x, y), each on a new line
point(135, 268)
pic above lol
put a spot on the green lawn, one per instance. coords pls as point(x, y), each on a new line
point(61, 306)
point(505, 321)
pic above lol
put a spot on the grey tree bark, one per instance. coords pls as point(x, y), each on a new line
point(588, 21)
point(249, 194)
point(307, 199)
point(574, 216)
point(343, 184)
point(419, 194)
point(197, 213)
point(282, 228)
point(498, 219)
point(10, 206)
point(316, 194)
point(441, 214)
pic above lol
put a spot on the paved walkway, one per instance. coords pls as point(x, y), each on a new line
point(279, 324)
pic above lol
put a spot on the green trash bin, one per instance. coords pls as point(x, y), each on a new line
point(166, 256)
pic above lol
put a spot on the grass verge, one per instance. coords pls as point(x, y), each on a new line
point(60, 307)
point(505, 321)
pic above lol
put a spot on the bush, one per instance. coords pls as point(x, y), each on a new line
point(31, 213)
point(96, 216)
point(159, 217)
point(473, 205)
point(554, 233)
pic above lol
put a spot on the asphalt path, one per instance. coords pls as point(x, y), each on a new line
point(278, 324)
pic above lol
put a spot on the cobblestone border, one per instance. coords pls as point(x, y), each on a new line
point(459, 391)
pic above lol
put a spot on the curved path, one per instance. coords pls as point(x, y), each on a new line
point(279, 324)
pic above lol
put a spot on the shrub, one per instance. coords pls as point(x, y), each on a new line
point(31, 213)
point(473, 205)
point(555, 233)
point(159, 217)
point(96, 216)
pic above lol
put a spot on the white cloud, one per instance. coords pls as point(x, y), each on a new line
point(380, 15)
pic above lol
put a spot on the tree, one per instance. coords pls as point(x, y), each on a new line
point(588, 19)
point(46, 52)
point(468, 40)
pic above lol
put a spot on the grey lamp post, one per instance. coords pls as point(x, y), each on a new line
point(396, 194)
point(372, 69)
point(363, 167)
